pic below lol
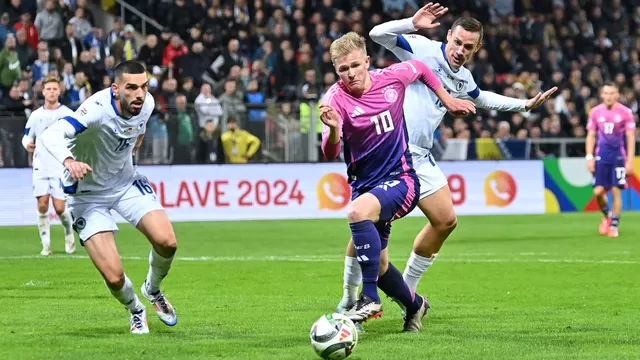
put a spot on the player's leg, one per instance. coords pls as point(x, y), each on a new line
point(101, 248)
point(59, 204)
point(96, 229)
point(43, 223)
point(435, 203)
point(619, 180)
point(438, 208)
point(602, 182)
point(391, 283)
point(362, 214)
point(141, 208)
point(352, 279)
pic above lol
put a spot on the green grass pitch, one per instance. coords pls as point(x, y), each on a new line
point(504, 287)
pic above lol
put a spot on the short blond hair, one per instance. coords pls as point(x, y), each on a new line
point(346, 44)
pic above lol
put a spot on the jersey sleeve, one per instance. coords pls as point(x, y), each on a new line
point(55, 138)
point(412, 70)
point(29, 131)
point(629, 121)
point(393, 36)
point(331, 151)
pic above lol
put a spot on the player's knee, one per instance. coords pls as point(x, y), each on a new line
point(114, 279)
point(357, 213)
point(168, 243)
point(59, 209)
point(449, 224)
point(43, 208)
point(598, 191)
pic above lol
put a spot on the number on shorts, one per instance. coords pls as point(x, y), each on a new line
point(621, 175)
point(122, 144)
point(388, 184)
point(143, 186)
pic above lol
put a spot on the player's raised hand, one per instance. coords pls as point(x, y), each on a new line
point(539, 99)
point(78, 170)
point(424, 18)
point(460, 107)
point(329, 116)
point(31, 147)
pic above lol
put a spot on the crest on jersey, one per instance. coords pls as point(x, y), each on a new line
point(617, 118)
point(83, 111)
point(141, 125)
point(390, 95)
point(459, 86)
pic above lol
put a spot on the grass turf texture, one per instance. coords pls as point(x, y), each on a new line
point(504, 287)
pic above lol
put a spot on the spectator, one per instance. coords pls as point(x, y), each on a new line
point(208, 107)
point(232, 104)
point(81, 26)
point(42, 66)
point(150, 52)
point(70, 46)
point(185, 132)
point(10, 70)
point(125, 47)
point(239, 145)
point(26, 54)
point(49, 23)
point(208, 144)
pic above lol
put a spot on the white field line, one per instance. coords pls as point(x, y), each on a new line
point(328, 258)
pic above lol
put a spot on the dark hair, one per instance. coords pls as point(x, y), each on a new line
point(129, 67)
point(469, 24)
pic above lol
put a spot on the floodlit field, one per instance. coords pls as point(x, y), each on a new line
point(512, 287)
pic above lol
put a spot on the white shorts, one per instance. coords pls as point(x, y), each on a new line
point(43, 184)
point(92, 212)
point(431, 177)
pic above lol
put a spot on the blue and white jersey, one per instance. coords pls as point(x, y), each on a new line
point(100, 137)
point(39, 121)
point(422, 108)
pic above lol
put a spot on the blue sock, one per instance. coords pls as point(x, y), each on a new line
point(605, 209)
point(615, 220)
point(392, 284)
point(367, 242)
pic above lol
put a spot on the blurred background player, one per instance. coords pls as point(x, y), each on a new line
point(105, 131)
point(609, 163)
point(46, 169)
point(424, 112)
point(365, 109)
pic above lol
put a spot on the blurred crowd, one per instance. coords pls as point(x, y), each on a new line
point(238, 81)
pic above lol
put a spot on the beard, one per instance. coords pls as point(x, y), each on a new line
point(130, 108)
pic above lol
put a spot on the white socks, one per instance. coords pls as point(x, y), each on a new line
point(65, 219)
point(43, 228)
point(352, 280)
point(416, 266)
point(127, 296)
point(158, 268)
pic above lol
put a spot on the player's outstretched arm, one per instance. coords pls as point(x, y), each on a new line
point(492, 101)
point(386, 34)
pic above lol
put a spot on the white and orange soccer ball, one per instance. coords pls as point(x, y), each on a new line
point(333, 336)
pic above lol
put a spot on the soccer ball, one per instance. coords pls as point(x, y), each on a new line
point(333, 336)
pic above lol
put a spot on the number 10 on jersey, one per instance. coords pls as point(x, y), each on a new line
point(383, 122)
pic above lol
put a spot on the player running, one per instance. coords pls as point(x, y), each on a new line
point(100, 176)
point(364, 109)
point(423, 112)
point(610, 163)
point(46, 169)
